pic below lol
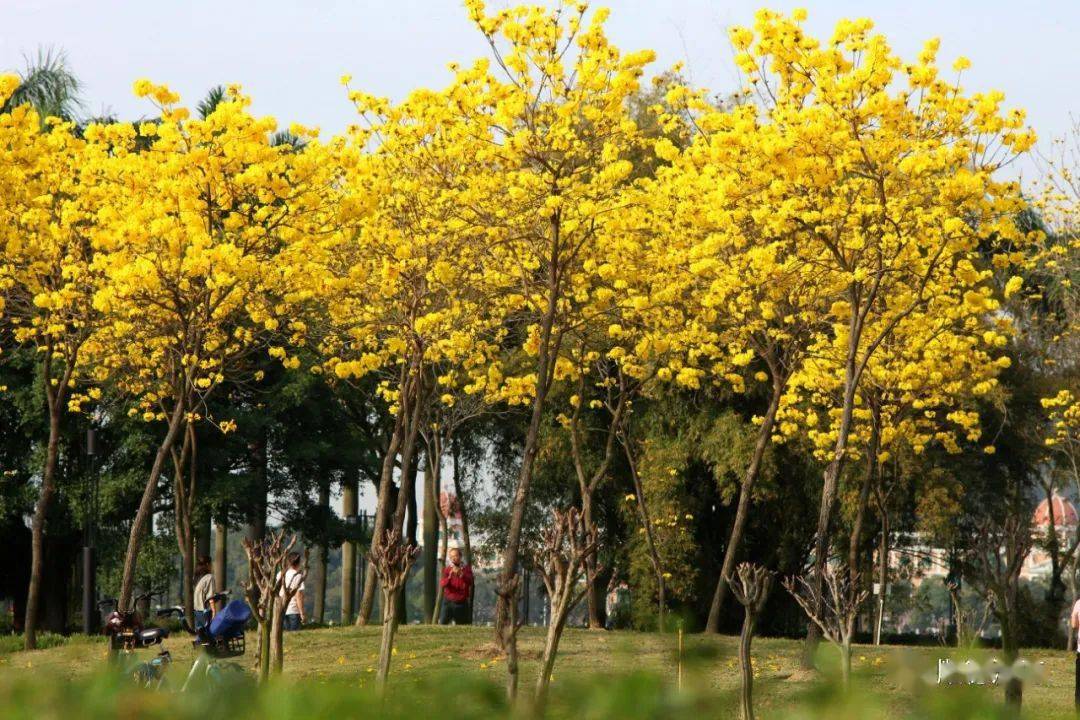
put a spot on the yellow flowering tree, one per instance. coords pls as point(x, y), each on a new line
point(740, 298)
point(551, 107)
point(46, 280)
point(1062, 436)
point(1049, 311)
point(403, 287)
point(188, 247)
point(891, 170)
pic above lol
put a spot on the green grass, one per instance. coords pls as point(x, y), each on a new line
point(440, 655)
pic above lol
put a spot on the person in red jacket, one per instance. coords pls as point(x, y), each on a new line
point(457, 585)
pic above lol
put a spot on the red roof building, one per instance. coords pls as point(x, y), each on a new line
point(1064, 513)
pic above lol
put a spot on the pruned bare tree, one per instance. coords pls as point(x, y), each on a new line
point(993, 563)
point(970, 620)
point(834, 610)
point(281, 605)
point(509, 590)
point(750, 584)
point(561, 558)
point(391, 557)
point(267, 560)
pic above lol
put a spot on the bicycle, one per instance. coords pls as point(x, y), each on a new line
point(221, 639)
point(127, 634)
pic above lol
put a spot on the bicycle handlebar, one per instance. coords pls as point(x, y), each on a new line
point(115, 602)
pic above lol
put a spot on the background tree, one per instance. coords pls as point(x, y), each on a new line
point(49, 85)
point(46, 281)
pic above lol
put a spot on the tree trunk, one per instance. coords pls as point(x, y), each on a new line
point(187, 539)
point(203, 537)
point(746, 667)
point(593, 595)
point(146, 505)
point(742, 512)
point(263, 654)
point(551, 650)
point(505, 632)
point(277, 639)
point(406, 497)
point(829, 488)
point(367, 596)
point(466, 540)
point(382, 505)
point(386, 642)
point(431, 527)
point(37, 557)
point(322, 556)
point(348, 549)
point(187, 562)
point(845, 662)
point(257, 456)
point(650, 539)
point(221, 555)
point(864, 493)
point(411, 528)
point(1010, 646)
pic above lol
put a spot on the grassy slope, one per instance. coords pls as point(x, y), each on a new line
point(456, 652)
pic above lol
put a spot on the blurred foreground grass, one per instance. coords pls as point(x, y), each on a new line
point(448, 673)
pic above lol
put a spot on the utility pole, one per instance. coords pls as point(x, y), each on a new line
point(91, 620)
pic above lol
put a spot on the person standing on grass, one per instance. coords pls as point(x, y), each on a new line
point(457, 584)
point(205, 590)
point(294, 613)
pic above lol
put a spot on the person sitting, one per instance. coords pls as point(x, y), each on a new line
point(457, 585)
point(203, 603)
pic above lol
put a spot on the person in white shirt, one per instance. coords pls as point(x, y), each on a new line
point(204, 591)
point(294, 581)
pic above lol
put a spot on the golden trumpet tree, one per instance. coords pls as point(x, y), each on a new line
point(190, 250)
point(891, 170)
point(47, 200)
point(550, 111)
point(1063, 433)
point(740, 298)
point(921, 388)
point(404, 285)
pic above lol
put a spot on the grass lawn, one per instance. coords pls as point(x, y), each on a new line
point(709, 663)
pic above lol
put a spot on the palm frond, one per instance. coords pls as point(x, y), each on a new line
point(284, 138)
point(214, 97)
point(49, 85)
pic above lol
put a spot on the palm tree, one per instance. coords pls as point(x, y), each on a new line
point(48, 84)
point(214, 97)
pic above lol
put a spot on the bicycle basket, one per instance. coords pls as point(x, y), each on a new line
point(227, 647)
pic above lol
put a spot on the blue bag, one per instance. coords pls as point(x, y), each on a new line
point(231, 620)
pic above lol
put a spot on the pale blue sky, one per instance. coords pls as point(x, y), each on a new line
point(289, 55)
